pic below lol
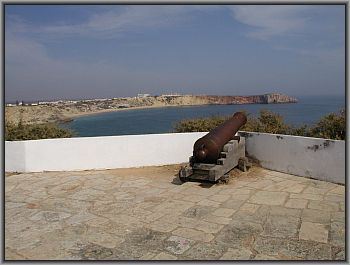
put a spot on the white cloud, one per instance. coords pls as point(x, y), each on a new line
point(112, 23)
point(21, 50)
point(270, 20)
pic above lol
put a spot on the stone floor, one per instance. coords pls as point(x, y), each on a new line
point(144, 214)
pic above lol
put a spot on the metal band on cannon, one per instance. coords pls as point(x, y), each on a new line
point(218, 152)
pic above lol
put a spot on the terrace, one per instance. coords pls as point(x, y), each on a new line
point(119, 198)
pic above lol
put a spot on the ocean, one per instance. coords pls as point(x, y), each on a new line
point(308, 110)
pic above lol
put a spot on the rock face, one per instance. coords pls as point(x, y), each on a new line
point(277, 98)
point(258, 99)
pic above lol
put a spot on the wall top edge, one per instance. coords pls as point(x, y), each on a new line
point(290, 136)
point(106, 137)
point(164, 135)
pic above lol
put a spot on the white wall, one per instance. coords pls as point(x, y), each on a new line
point(321, 159)
point(15, 156)
point(310, 157)
point(99, 152)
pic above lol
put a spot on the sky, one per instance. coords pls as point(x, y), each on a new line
point(106, 51)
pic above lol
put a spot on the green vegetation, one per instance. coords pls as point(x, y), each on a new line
point(20, 131)
point(199, 125)
point(331, 126)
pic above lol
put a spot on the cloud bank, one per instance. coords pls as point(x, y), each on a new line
point(271, 20)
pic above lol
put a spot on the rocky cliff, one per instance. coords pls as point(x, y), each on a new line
point(258, 99)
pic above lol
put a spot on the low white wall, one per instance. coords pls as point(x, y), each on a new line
point(99, 152)
point(15, 156)
point(321, 159)
point(310, 157)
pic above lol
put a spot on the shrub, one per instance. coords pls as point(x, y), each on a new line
point(332, 126)
point(303, 130)
point(20, 131)
point(272, 122)
point(267, 122)
point(200, 124)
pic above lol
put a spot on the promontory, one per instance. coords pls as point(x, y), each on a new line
point(66, 110)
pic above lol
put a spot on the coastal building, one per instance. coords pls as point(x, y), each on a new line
point(143, 95)
point(171, 95)
point(49, 102)
point(123, 106)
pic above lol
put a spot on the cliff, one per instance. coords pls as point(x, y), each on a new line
point(258, 99)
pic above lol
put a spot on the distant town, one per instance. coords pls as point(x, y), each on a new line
point(56, 102)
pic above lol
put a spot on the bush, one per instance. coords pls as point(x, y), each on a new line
point(303, 130)
point(267, 122)
point(200, 124)
point(20, 131)
point(332, 126)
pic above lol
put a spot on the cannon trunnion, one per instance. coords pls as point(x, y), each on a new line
point(218, 152)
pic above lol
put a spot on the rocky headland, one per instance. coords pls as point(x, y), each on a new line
point(63, 111)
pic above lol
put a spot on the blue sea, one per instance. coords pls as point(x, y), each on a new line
point(308, 110)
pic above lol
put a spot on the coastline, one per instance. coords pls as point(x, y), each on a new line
point(64, 112)
point(73, 116)
point(47, 114)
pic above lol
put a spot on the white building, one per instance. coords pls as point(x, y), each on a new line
point(143, 95)
point(171, 95)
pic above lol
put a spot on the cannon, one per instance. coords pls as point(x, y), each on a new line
point(218, 152)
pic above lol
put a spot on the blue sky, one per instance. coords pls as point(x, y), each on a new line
point(99, 51)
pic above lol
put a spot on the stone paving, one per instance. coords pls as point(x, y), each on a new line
point(145, 214)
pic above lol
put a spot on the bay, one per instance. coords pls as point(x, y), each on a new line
point(308, 110)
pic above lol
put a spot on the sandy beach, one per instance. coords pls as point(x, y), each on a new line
point(44, 114)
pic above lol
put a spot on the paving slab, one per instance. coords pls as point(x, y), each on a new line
point(314, 232)
point(237, 254)
point(180, 244)
point(269, 197)
point(281, 226)
point(206, 251)
point(147, 214)
point(296, 203)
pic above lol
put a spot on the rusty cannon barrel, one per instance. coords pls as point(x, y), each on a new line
point(207, 149)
